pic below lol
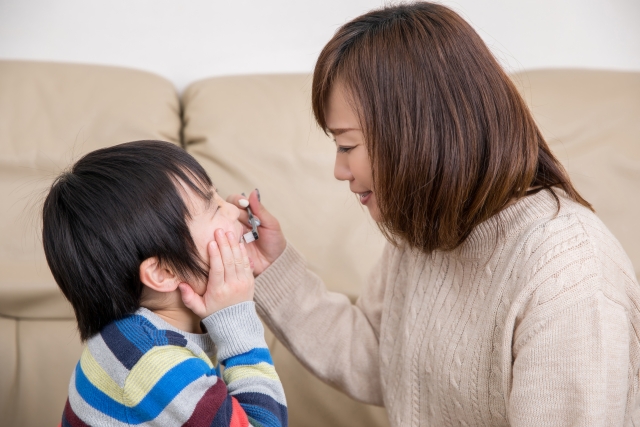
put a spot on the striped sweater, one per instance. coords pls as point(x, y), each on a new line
point(142, 371)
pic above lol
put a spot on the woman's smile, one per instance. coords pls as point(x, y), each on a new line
point(364, 197)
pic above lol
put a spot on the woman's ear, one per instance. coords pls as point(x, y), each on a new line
point(157, 277)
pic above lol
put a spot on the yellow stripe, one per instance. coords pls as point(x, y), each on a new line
point(211, 362)
point(99, 378)
point(144, 375)
point(151, 367)
point(262, 370)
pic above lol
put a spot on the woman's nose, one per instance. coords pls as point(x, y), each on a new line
point(341, 169)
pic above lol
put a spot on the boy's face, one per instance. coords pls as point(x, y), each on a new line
point(207, 217)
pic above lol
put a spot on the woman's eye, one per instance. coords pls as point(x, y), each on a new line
point(342, 149)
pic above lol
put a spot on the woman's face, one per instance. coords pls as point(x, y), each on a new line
point(352, 159)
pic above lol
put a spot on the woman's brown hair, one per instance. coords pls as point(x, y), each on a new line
point(451, 141)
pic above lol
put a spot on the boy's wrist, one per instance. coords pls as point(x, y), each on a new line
point(235, 330)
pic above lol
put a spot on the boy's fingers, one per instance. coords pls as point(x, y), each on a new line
point(237, 253)
point(216, 267)
point(190, 299)
point(227, 256)
point(246, 264)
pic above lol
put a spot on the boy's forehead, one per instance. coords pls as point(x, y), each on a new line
point(193, 198)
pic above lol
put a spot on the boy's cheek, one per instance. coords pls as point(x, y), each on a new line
point(202, 286)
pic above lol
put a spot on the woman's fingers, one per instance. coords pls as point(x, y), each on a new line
point(266, 219)
point(271, 242)
point(235, 199)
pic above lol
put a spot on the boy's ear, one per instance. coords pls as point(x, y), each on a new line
point(157, 277)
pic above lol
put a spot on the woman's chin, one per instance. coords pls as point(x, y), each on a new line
point(374, 212)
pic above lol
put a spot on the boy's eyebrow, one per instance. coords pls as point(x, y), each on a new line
point(208, 197)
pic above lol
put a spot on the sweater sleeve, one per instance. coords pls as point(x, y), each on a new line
point(157, 378)
point(254, 388)
point(335, 339)
point(571, 354)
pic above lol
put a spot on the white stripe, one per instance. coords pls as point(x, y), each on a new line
point(107, 360)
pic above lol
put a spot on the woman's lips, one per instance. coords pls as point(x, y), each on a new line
point(364, 197)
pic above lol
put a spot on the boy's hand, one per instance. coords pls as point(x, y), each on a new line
point(271, 243)
point(230, 277)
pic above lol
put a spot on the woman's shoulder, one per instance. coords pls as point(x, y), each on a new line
point(572, 229)
point(571, 252)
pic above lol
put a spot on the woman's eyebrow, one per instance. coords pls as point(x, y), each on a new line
point(340, 131)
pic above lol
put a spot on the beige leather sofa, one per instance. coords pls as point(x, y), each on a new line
point(248, 131)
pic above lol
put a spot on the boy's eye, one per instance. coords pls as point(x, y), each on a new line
point(215, 210)
point(343, 149)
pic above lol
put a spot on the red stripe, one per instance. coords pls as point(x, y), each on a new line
point(72, 418)
point(238, 416)
point(208, 406)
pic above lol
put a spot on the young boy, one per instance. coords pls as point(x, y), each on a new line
point(134, 235)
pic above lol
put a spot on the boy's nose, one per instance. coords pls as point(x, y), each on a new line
point(235, 211)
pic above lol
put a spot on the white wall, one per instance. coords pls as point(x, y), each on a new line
point(186, 40)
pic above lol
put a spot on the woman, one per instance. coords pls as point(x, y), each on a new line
point(501, 299)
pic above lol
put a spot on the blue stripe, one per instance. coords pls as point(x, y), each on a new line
point(162, 393)
point(260, 400)
point(263, 416)
point(140, 332)
point(251, 357)
point(174, 338)
point(223, 416)
point(123, 349)
point(130, 338)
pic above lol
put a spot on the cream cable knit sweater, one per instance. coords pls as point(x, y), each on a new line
point(534, 324)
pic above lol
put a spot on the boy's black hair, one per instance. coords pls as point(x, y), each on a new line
point(116, 207)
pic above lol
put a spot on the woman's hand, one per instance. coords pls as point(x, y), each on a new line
point(230, 279)
point(271, 243)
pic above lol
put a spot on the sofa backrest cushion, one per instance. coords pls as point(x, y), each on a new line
point(591, 120)
point(258, 131)
point(50, 115)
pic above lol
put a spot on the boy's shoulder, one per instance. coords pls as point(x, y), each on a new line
point(134, 368)
point(144, 339)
